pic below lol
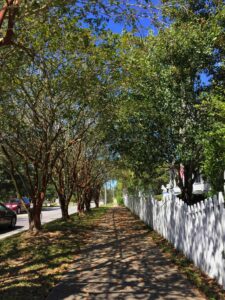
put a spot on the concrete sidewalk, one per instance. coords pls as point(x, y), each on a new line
point(121, 261)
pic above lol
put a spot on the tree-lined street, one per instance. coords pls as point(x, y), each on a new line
point(107, 93)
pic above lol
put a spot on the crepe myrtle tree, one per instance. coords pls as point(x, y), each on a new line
point(73, 175)
point(91, 171)
point(47, 94)
point(19, 16)
point(66, 165)
point(37, 157)
point(8, 14)
point(37, 160)
point(89, 184)
point(93, 176)
point(33, 118)
point(62, 178)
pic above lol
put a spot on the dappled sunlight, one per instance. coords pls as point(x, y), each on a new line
point(120, 261)
point(31, 264)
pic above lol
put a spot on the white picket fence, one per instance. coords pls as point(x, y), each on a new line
point(198, 231)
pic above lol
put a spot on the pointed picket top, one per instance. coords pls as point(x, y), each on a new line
point(220, 198)
point(202, 204)
point(210, 203)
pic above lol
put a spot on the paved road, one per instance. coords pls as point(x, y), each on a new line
point(49, 214)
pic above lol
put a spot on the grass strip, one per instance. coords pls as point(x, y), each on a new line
point(30, 265)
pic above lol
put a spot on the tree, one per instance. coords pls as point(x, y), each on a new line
point(66, 167)
point(18, 15)
point(7, 187)
point(8, 10)
point(58, 91)
point(210, 141)
point(92, 169)
point(163, 89)
point(36, 109)
point(31, 134)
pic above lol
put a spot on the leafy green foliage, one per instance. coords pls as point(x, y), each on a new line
point(143, 99)
point(162, 116)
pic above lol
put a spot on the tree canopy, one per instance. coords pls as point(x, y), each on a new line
point(78, 100)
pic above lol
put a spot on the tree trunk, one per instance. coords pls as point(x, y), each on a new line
point(87, 199)
point(80, 205)
point(88, 205)
point(186, 184)
point(34, 216)
point(187, 191)
point(96, 197)
point(64, 206)
point(96, 203)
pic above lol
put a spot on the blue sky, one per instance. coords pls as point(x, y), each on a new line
point(111, 184)
point(144, 22)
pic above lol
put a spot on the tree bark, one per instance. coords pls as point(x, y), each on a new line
point(96, 196)
point(34, 215)
point(88, 198)
point(96, 203)
point(88, 205)
point(80, 205)
point(12, 8)
point(64, 204)
point(186, 185)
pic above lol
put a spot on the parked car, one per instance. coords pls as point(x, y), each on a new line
point(7, 216)
point(17, 205)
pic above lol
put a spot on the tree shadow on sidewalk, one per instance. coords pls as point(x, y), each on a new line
point(120, 261)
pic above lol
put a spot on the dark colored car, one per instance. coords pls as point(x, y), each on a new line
point(17, 205)
point(7, 216)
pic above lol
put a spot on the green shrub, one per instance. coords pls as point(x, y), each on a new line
point(158, 197)
point(120, 200)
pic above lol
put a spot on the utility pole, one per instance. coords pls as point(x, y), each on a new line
point(105, 194)
point(113, 192)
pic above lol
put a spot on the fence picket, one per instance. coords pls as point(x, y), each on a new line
point(198, 230)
